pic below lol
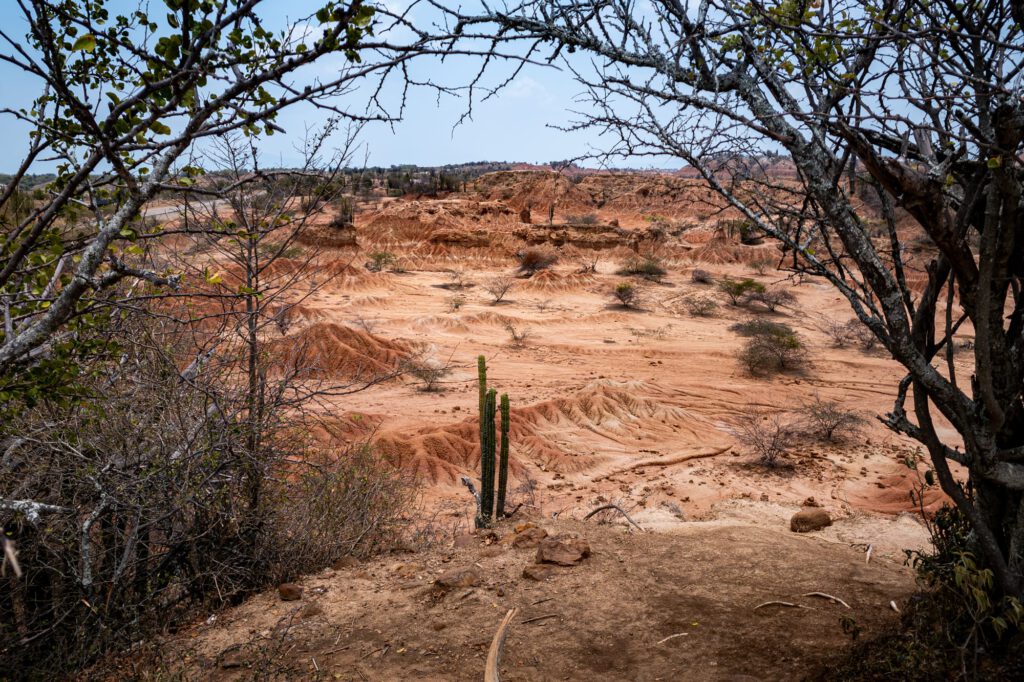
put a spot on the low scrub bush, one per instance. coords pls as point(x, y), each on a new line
point(585, 219)
point(499, 287)
point(379, 260)
point(626, 294)
point(830, 421)
point(698, 276)
point(647, 267)
point(532, 260)
point(766, 434)
point(428, 371)
point(772, 299)
point(771, 347)
point(701, 306)
point(739, 289)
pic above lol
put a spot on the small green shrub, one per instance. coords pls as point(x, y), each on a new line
point(626, 294)
point(771, 347)
point(739, 289)
point(380, 260)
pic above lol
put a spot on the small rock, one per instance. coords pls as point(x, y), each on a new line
point(408, 570)
point(538, 572)
point(811, 502)
point(439, 626)
point(289, 592)
point(764, 497)
point(459, 577)
point(529, 538)
point(808, 519)
point(310, 610)
point(568, 552)
point(493, 551)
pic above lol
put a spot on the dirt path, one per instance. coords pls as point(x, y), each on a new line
point(605, 619)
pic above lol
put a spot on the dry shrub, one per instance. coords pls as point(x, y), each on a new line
point(772, 299)
point(701, 306)
point(584, 219)
point(379, 260)
point(767, 434)
point(156, 499)
point(429, 371)
point(830, 421)
point(849, 333)
point(517, 337)
point(698, 276)
point(499, 287)
point(533, 259)
point(648, 267)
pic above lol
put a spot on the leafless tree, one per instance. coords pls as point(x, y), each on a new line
point(810, 119)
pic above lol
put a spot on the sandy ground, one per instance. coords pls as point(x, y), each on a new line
point(637, 407)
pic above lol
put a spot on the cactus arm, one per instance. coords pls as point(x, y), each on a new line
point(503, 462)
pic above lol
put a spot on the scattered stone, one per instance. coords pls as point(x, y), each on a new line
point(764, 497)
point(808, 519)
point(289, 592)
point(493, 551)
point(811, 502)
point(439, 626)
point(520, 527)
point(529, 538)
point(567, 552)
point(458, 577)
point(538, 572)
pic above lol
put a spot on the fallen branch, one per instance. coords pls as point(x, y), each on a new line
point(491, 671)
point(781, 603)
point(826, 596)
point(537, 618)
point(678, 634)
point(664, 462)
point(616, 508)
point(867, 555)
point(894, 607)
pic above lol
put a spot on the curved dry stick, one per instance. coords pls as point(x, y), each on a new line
point(826, 596)
point(664, 462)
point(781, 603)
point(616, 508)
point(491, 672)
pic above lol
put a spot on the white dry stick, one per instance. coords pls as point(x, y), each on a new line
point(894, 607)
point(826, 596)
point(492, 670)
point(678, 634)
point(781, 603)
point(867, 556)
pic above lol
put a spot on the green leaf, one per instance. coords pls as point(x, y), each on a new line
point(86, 43)
point(995, 162)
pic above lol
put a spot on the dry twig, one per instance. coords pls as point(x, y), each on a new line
point(491, 671)
point(616, 508)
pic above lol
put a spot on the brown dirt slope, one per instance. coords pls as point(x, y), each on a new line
point(605, 619)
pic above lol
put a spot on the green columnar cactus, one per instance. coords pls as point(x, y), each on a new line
point(503, 462)
point(487, 457)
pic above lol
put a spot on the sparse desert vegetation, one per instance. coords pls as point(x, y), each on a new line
point(269, 411)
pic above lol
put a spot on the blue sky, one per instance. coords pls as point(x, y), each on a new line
point(515, 126)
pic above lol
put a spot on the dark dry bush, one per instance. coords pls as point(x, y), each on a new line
point(760, 327)
point(698, 276)
point(532, 260)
